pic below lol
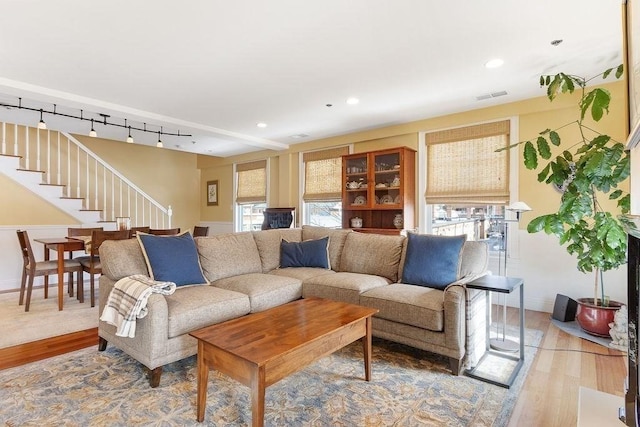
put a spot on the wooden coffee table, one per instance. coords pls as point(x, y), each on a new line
point(260, 349)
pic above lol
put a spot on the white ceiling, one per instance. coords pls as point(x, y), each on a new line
point(215, 68)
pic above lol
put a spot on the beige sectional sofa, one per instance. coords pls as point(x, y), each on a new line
point(245, 277)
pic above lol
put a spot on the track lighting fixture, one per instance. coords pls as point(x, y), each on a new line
point(103, 119)
point(92, 132)
point(41, 123)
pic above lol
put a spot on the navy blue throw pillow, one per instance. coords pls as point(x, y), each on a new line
point(431, 260)
point(310, 253)
point(172, 258)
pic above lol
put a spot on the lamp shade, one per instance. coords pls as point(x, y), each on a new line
point(519, 207)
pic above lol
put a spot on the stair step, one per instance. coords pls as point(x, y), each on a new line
point(72, 198)
point(90, 210)
point(53, 185)
point(11, 155)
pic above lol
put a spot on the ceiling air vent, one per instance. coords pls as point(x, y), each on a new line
point(299, 135)
point(491, 95)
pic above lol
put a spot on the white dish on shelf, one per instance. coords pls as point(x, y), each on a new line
point(387, 199)
point(360, 200)
point(397, 200)
point(381, 185)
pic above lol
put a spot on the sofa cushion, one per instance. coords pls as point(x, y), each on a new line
point(268, 243)
point(432, 260)
point(310, 253)
point(194, 307)
point(409, 304)
point(122, 258)
point(337, 238)
point(342, 286)
point(228, 255)
point(374, 254)
point(301, 273)
point(172, 258)
point(264, 290)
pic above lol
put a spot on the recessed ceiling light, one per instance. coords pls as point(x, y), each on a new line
point(262, 125)
point(352, 101)
point(494, 63)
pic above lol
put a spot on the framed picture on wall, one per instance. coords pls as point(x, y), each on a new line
point(212, 193)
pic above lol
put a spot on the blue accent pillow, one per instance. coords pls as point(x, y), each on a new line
point(310, 253)
point(431, 260)
point(172, 258)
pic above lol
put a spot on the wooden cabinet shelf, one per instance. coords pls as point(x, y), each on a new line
point(378, 187)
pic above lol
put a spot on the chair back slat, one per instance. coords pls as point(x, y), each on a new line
point(79, 231)
point(200, 231)
point(134, 230)
point(25, 246)
point(164, 231)
point(99, 236)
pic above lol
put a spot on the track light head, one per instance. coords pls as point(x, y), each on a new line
point(159, 143)
point(92, 132)
point(41, 123)
point(130, 138)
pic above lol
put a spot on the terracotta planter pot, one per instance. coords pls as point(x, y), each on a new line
point(594, 319)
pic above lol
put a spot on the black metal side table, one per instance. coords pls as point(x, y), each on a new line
point(504, 285)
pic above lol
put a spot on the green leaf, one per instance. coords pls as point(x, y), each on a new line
point(606, 73)
point(554, 137)
point(543, 148)
point(543, 174)
point(567, 83)
point(530, 156)
point(619, 71)
point(601, 100)
point(541, 80)
point(615, 194)
point(567, 155)
point(553, 87)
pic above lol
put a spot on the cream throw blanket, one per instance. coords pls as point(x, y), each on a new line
point(128, 302)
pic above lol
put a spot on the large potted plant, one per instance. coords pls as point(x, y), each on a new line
point(585, 170)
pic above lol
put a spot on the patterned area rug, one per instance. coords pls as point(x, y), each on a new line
point(409, 387)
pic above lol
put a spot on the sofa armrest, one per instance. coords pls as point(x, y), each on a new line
point(151, 336)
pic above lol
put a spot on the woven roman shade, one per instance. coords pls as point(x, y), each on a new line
point(463, 167)
point(323, 174)
point(252, 182)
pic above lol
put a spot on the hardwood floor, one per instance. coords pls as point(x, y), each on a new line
point(42, 349)
point(549, 396)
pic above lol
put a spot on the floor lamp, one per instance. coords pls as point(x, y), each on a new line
point(503, 344)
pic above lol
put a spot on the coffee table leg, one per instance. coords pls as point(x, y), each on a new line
point(257, 397)
point(366, 347)
point(203, 379)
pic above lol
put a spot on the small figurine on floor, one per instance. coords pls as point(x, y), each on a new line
point(618, 331)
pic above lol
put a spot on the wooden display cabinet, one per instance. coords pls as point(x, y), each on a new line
point(379, 186)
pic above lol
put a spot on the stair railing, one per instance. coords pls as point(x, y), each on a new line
point(67, 162)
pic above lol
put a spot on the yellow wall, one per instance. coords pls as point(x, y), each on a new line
point(534, 115)
point(179, 179)
point(168, 176)
point(20, 206)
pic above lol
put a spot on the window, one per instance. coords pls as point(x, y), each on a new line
point(251, 195)
point(323, 187)
point(467, 182)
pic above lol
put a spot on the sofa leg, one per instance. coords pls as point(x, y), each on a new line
point(455, 365)
point(102, 344)
point(154, 376)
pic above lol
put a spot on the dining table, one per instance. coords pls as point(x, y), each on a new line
point(61, 245)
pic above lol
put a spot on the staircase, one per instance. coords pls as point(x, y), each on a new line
point(64, 172)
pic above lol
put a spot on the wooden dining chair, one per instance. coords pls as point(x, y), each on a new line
point(78, 232)
point(92, 264)
point(134, 230)
point(199, 231)
point(164, 231)
point(32, 268)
